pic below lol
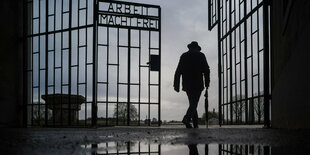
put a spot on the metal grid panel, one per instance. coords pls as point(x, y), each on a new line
point(53, 66)
point(243, 48)
point(62, 62)
point(212, 13)
point(127, 38)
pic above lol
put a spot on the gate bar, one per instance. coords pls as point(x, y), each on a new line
point(219, 62)
point(128, 77)
point(107, 84)
point(117, 85)
point(230, 65)
point(70, 61)
point(46, 60)
point(149, 82)
point(86, 70)
point(258, 67)
point(95, 56)
point(78, 53)
point(159, 73)
point(139, 113)
point(266, 64)
point(61, 46)
point(245, 62)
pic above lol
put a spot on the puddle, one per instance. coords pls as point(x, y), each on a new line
point(144, 148)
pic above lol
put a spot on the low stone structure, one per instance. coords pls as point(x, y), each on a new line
point(61, 104)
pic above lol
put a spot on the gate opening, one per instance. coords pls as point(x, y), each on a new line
point(92, 63)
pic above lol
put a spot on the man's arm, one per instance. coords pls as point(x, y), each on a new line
point(177, 76)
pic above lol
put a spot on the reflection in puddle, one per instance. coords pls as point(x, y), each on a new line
point(244, 149)
point(144, 148)
point(119, 148)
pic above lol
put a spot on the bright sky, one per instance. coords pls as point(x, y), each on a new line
point(182, 22)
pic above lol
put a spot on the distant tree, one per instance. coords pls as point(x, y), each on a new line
point(238, 149)
point(38, 113)
point(124, 145)
point(146, 121)
point(259, 108)
point(210, 115)
point(121, 112)
point(173, 121)
point(238, 109)
point(154, 119)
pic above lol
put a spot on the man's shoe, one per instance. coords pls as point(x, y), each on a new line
point(186, 122)
point(188, 126)
point(196, 126)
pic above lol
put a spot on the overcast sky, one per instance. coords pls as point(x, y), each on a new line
point(182, 22)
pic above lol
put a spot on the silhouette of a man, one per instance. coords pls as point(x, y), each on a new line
point(194, 68)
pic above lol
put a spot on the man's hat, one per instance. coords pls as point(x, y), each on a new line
point(194, 45)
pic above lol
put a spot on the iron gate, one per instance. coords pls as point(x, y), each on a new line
point(92, 62)
point(244, 149)
point(243, 55)
point(129, 49)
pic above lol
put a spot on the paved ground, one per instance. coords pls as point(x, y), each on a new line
point(69, 140)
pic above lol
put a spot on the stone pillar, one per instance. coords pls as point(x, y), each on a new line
point(62, 107)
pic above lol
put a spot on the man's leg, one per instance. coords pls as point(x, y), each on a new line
point(195, 119)
point(187, 117)
point(195, 114)
point(193, 98)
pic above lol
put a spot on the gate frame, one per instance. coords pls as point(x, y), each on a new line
point(214, 18)
point(128, 28)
